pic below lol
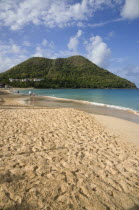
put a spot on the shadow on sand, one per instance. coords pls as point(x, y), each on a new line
point(25, 206)
point(22, 206)
point(135, 208)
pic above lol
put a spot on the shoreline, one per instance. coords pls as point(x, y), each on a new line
point(91, 107)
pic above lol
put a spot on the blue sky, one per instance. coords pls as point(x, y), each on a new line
point(104, 31)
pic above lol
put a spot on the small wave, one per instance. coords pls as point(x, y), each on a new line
point(116, 107)
point(99, 104)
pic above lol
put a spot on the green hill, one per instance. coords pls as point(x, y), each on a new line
point(72, 72)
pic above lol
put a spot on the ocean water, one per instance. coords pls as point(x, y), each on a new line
point(123, 99)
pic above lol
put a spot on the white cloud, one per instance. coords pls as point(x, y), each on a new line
point(7, 62)
point(74, 41)
point(130, 72)
point(98, 51)
point(45, 49)
point(50, 12)
point(15, 48)
point(11, 48)
point(122, 67)
point(63, 53)
point(39, 52)
point(11, 54)
point(18, 13)
point(79, 33)
point(130, 9)
point(100, 24)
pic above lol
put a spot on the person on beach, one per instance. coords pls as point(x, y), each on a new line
point(30, 93)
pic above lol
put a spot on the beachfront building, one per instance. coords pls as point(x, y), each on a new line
point(26, 80)
point(13, 80)
point(37, 80)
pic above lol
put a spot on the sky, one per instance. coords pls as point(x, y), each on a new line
point(104, 31)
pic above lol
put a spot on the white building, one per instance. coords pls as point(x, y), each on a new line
point(26, 80)
point(37, 80)
point(12, 80)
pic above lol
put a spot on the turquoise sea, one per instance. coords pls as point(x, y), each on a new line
point(115, 98)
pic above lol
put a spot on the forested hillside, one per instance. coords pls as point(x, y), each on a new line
point(72, 72)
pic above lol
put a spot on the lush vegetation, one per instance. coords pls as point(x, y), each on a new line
point(72, 72)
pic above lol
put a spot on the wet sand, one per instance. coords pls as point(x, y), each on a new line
point(62, 158)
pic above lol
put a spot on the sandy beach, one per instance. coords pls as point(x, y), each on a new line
point(63, 158)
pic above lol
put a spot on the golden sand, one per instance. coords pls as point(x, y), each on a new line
point(64, 159)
